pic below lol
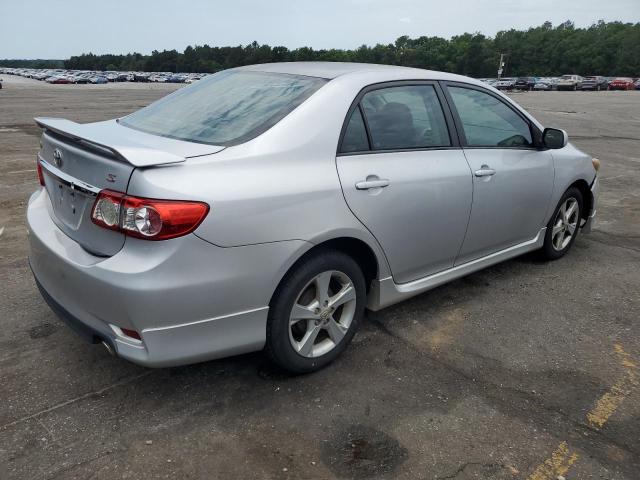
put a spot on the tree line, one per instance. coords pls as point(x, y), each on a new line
point(604, 48)
point(38, 63)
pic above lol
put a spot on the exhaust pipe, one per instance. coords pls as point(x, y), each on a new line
point(109, 349)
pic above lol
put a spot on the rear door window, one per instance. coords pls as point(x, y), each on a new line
point(405, 117)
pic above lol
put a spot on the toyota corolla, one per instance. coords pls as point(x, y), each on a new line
point(266, 207)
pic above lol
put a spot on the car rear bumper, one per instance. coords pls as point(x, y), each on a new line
point(189, 300)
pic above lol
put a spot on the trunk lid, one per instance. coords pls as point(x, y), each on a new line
point(80, 160)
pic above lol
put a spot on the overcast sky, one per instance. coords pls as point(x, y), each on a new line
point(59, 29)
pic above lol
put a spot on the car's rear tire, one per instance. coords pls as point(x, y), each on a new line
point(564, 225)
point(315, 311)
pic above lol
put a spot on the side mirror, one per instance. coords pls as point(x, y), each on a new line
point(554, 138)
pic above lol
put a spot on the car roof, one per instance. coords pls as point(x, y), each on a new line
point(331, 70)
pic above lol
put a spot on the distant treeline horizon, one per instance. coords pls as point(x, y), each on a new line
point(604, 48)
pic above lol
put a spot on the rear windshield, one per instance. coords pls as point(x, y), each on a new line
point(227, 108)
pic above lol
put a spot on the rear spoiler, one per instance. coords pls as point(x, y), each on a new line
point(126, 146)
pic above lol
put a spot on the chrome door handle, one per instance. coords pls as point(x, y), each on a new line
point(367, 184)
point(485, 171)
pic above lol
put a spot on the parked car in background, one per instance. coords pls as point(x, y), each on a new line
point(506, 83)
point(59, 80)
point(569, 82)
point(525, 83)
point(594, 83)
point(98, 79)
point(82, 79)
point(637, 84)
point(148, 235)
point(177, 78)
point(546, 84)
point(621, 83)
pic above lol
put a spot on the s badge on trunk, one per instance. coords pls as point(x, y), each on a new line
point(57, 157)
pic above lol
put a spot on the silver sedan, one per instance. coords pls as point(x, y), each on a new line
point(266, 207)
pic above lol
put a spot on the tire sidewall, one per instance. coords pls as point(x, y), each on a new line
point(278, 345)
point(549, 251)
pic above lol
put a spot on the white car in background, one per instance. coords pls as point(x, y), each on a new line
point(569, 82)
point(505, 84)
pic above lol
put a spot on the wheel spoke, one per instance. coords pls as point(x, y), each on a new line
point(322, 287)
point(305, 346)
point(558, 241)
point(563, 211)
point(301, 312)
point(556, 230)
point(571, 227)
point(335, 330)
point(570, 211)
point(346, 294)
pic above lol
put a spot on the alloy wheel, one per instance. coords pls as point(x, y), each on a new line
point(565, 224)
point(322, 314)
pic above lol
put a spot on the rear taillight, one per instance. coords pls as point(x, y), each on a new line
point(147, 218)
point(40, 174)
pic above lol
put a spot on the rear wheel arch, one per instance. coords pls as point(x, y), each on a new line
point(357, 249)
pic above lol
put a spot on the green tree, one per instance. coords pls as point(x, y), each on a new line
point(604, 48)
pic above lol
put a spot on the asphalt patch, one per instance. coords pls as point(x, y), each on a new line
point(362, 452)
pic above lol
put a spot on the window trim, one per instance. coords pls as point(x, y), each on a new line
point(448, 118)
point(536, 134)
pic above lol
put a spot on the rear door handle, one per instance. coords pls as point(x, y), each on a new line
point(367, 184)
point(485, 171)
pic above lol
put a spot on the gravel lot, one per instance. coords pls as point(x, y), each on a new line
point(526, 370)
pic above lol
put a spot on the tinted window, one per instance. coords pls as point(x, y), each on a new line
point(405, 117)
point(487, 121)
point(226, 108)
point(355, 136)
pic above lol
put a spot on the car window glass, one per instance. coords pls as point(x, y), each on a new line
point(487, 121)
point(226, 108)
point(355, 135)
point(405, 117)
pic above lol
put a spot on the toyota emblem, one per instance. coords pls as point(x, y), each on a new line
point(57, 157)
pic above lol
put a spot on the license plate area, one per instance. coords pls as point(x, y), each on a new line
point(69, 204)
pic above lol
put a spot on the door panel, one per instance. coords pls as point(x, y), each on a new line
point(420, 215)
point(509, 206)
point(512, 180)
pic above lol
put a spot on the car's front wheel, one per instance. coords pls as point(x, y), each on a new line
point(564, 225)
point(315, 311)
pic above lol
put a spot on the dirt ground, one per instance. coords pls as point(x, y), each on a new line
point(526, 370)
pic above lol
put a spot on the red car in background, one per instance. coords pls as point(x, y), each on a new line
point(621, 83)
point(58, 80)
